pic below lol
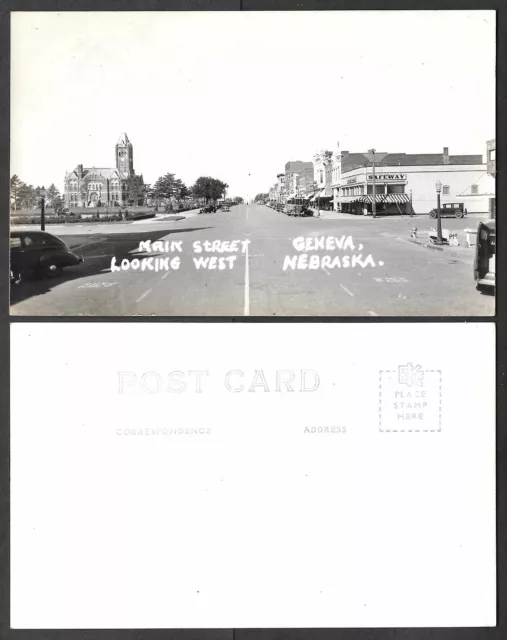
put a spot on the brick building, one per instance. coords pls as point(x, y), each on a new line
point(111, 186)
point(304, 173)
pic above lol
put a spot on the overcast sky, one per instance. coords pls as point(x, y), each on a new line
point(237, 95)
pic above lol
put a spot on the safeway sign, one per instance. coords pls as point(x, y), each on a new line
point(388, 177)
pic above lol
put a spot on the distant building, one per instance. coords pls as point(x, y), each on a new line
point(98, 186)
point(281, 192)
point(323, 171)
point(304, 172)
point(491, 164)
point(491, 157)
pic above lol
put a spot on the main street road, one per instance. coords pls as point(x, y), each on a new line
point(407, 280)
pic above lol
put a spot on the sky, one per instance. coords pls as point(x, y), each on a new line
point(237, 95)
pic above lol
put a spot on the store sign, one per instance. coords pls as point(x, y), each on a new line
point(389, 177)
point(352, 180)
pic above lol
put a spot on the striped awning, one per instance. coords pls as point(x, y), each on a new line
point(379, 197)
point(397, 198)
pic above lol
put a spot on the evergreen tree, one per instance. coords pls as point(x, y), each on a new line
point(16, 186)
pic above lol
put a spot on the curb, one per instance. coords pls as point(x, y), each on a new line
point(428, 246)
point(432, 246)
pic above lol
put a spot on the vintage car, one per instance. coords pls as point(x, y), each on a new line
point(450, 209)
point(209, 208)
point(485, 257)
point(40, 253)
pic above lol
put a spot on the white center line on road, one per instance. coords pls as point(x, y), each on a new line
point(372, 313)
point(247, 282)
point(327, 271)
point(141, 297)
point(346, 290)
point(165, 275)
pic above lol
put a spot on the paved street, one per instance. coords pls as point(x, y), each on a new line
point(400, 279)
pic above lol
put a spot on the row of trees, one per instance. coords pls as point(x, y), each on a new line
point(26, 196)
point(167, 188)
point(261, 197)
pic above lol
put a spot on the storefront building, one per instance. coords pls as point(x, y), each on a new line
point(322, 196)
point(281, 192)
point(410, 187)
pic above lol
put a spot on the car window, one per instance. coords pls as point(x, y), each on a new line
point(39, 240)
point(15, 243)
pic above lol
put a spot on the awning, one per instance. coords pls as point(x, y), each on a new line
point(379, 197)
point(397, 198)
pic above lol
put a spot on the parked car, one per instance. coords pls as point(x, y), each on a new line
point(485, 257)
point(450, 209)
point(225, 207)
point(39, 253)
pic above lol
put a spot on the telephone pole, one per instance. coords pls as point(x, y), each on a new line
point(374, 203)
point(373, 157)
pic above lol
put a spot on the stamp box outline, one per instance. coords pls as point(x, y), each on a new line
point(439, 372)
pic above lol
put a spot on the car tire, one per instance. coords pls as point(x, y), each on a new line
point(459, 214)
point(52, 270)
point(433, 214)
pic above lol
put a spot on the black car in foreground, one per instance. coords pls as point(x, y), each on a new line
point(39, 253)
point(485, 257)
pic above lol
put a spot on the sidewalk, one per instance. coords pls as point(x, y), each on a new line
point(339, 215)
point(168, 217)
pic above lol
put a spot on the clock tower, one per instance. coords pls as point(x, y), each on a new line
point(124, 155)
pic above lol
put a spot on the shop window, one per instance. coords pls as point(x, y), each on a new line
point(446, 190)
point(475, 189)
point(395, 188)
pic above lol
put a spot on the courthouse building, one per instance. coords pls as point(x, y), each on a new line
point(99, 186)
point(406, 183)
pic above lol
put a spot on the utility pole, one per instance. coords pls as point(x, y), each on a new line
point(373, 157)
point(42, 193)
point(373, 204)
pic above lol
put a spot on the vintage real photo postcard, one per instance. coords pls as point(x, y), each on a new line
point(252, 475)
point(218, 164)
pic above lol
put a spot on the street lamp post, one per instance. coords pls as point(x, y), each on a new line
point(411, 207)
point(42, 194)
point(315, 186)
point(438, 187)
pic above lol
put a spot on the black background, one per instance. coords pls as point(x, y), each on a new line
point(498, 633)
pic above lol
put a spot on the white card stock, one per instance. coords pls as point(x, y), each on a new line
point(252, 475)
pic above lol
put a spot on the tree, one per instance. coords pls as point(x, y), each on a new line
point(136, 190)
point(261, 197)
point(28, 196)
point(238, 200)
point(16, 186)
point(165, 187)
point(181, 190)
point(54, 199)
point(209, 188)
